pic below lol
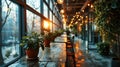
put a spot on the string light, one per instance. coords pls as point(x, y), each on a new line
point(60, 1)
point(62, 11)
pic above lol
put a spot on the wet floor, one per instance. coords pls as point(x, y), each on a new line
point(89, 58)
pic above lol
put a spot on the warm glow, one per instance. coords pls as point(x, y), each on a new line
point(82, 10)
point(51, 26)
point(79, 19)
point(86, 16)
point(81, 24)
point(82, 60)
point(79, 28)
point(65, 39)
point(46, 25)
point(86, 21)
point(77, 15)
point(88, 4)
point(60, 1)
point(91, 6)
point(62, 11)
point(64, 20)
point(76, 22)
point(64, 25)
point(63, 16)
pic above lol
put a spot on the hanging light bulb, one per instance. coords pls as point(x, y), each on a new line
point(62, 11)
point(60, 1)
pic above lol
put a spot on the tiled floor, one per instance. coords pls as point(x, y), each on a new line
point(91, 58)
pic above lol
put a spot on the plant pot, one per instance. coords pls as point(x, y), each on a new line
point(47, 43)
point(32, 54)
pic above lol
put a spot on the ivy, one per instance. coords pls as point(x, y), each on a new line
point(108, 16)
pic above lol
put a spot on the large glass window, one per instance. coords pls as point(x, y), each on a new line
point(33, 22)
point(35, 4)
point(10, 31)
point(45, 10)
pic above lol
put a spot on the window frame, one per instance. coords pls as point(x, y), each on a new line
point(23, 19)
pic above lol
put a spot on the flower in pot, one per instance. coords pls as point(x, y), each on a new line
point(31, 43)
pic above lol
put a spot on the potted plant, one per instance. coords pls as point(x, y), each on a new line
point(47, 38)
point(103, 48)
point(31, 43)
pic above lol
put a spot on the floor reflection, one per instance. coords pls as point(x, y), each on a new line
point(88, 58)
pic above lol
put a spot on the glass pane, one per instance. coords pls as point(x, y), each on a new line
point(47, 1)
point(53, 19)
point(51, 26)
point(50, 15)
point(33, 22)
point(51, 4)
point(35, 4)
point(45, 10)
point(10, 31)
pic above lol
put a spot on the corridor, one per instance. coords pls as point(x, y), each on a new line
point(40, 33)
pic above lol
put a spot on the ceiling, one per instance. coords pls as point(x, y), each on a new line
point(73, 7)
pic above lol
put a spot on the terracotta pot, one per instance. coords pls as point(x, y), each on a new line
point(52, 39)
point(47, 43)
point(32, 53)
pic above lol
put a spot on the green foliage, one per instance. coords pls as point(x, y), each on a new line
point(108, 17)
point(32, 40)
point(8, 52)
point(74, 29)
point(67, 31)
point(103, 48)
point(15, 55)
point(51, 35)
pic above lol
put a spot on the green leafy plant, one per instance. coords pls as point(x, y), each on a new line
point(103, 48)
point(8, 52)
point(107, 18)
point(32, 40)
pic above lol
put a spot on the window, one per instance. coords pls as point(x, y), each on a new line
point(35, 4)
point(51, 5)
point(50, 15)
point(12, 21)
point(33, 22)
point(45, 10)
point(47, 1)
point(10, 31)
